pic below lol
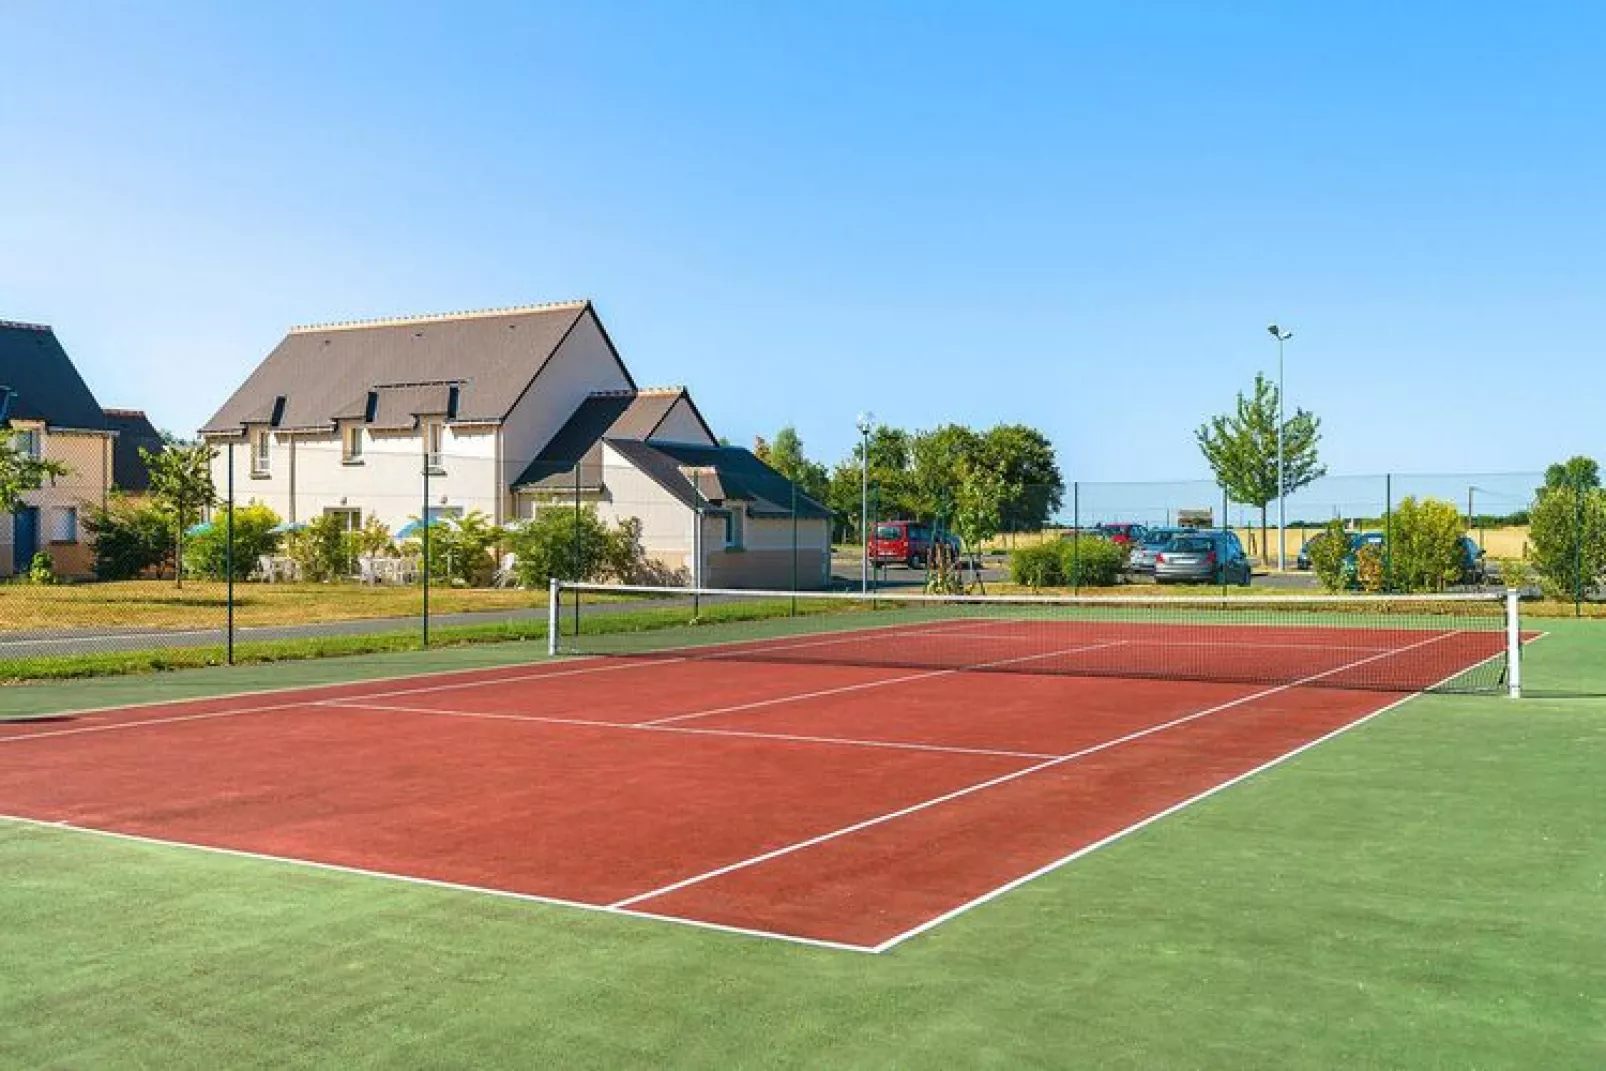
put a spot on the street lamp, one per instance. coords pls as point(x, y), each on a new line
point(1282, 485)
point(866, 424)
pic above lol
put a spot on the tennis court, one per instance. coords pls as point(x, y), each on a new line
point(835, 778)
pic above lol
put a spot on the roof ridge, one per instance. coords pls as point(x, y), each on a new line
point(24, 325)
point(439, 317)
point(662, 390)
point(621, 392)
point(112, 411)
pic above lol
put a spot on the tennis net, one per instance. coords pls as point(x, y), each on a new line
point(1401, 643)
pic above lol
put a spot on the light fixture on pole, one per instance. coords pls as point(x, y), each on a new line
point(866, 424)
point(1282, 482)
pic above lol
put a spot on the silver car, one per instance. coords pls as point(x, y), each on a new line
point(1142, 559)
point(1203, 557)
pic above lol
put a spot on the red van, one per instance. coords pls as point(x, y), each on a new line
point(905, 542)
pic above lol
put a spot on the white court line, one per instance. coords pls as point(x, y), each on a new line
point(433, 883)
point(1007, 637)
point(932, 923)
point(873, 684)
point(648, 727)
point(857, 827)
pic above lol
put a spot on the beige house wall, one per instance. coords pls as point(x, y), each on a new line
point(88, 457)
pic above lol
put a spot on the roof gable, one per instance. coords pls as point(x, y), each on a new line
point(731, 473)
point(39, 381)
point(134, 430)
point(617, 414)
point(486, 360)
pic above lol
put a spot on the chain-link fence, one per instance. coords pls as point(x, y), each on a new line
point(314, 551)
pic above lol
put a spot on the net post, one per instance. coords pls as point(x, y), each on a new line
point(1513, 644)
point(554, 596)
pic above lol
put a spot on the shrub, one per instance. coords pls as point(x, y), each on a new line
point(1370, 576)
point(206, 554)
point(42, 570)
point(322, 549)
point(1039, 566)
point(1424, 545)
point(130, 539)
point(556, 544)
point(1091, 562)
point(462, 551)
point(1568, 530)
point(1329, 556)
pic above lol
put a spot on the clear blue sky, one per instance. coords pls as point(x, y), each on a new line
point(1078, 216)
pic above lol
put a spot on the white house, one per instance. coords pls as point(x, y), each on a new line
point(507, 412)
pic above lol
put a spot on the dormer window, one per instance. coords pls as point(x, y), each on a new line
point(261, 452)
point(351, 444)
point(434, 445)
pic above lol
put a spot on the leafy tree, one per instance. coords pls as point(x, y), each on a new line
point(374, 537)
point(1025, 458)
point(1425, 545)
point(1574, 472)
point(181, 483)
point(1241, 448)
point(1567, 539)
point(129, 538)
point(785, 455)
point(20, 473)
point(321, 550)
point(938, 461)
point(979, 508)
point(462, 551)
point(254, 536)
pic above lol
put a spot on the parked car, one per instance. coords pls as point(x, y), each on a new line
point(1122, 534)
point(907, 543)
point(1474, 570)
point(1208, 556)
point(1142, 559)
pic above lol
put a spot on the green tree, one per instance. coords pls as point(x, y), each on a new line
point(321, 550)
point(938, 461)
point(21, 472)
point(1425, 545)
point(1577, 471)
point(557, 544)
point(181, 483)
point(979, 508)
point(1567, 539)
point(1241, 449)
point(785, 455)
point(1025, 458)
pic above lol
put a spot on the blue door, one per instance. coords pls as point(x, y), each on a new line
point(25, 538)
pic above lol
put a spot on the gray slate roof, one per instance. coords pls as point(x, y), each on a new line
point(38, 380)
point(730, 472)
point(134, 430)
point(410, 365)
point(611, 414)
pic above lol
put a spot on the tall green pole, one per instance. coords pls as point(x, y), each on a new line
point(228, 564)
point(1388, 532)
point(1578, 548)
point(424, 519)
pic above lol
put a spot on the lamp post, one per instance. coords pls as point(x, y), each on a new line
point(866, 423)
point(1282, 485)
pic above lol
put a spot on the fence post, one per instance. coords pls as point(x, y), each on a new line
point(1578, 548)
point(578, 564)
point(1513, 644)
point(1076, 537)
point(553, 595)
point(794, 548)
point(1226, 526)
point(1388, 531)
point(228, 565)
point(424, 519)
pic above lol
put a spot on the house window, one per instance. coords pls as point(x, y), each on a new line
point(733, 528)
point(350, 519)
point(261, 452)
point(64, 525)
point(27, 442)
point(351, 444)
point(434, 439)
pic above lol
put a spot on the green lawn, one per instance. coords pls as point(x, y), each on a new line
point(1427, 890)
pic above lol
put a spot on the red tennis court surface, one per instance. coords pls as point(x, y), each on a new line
point(845, 805)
